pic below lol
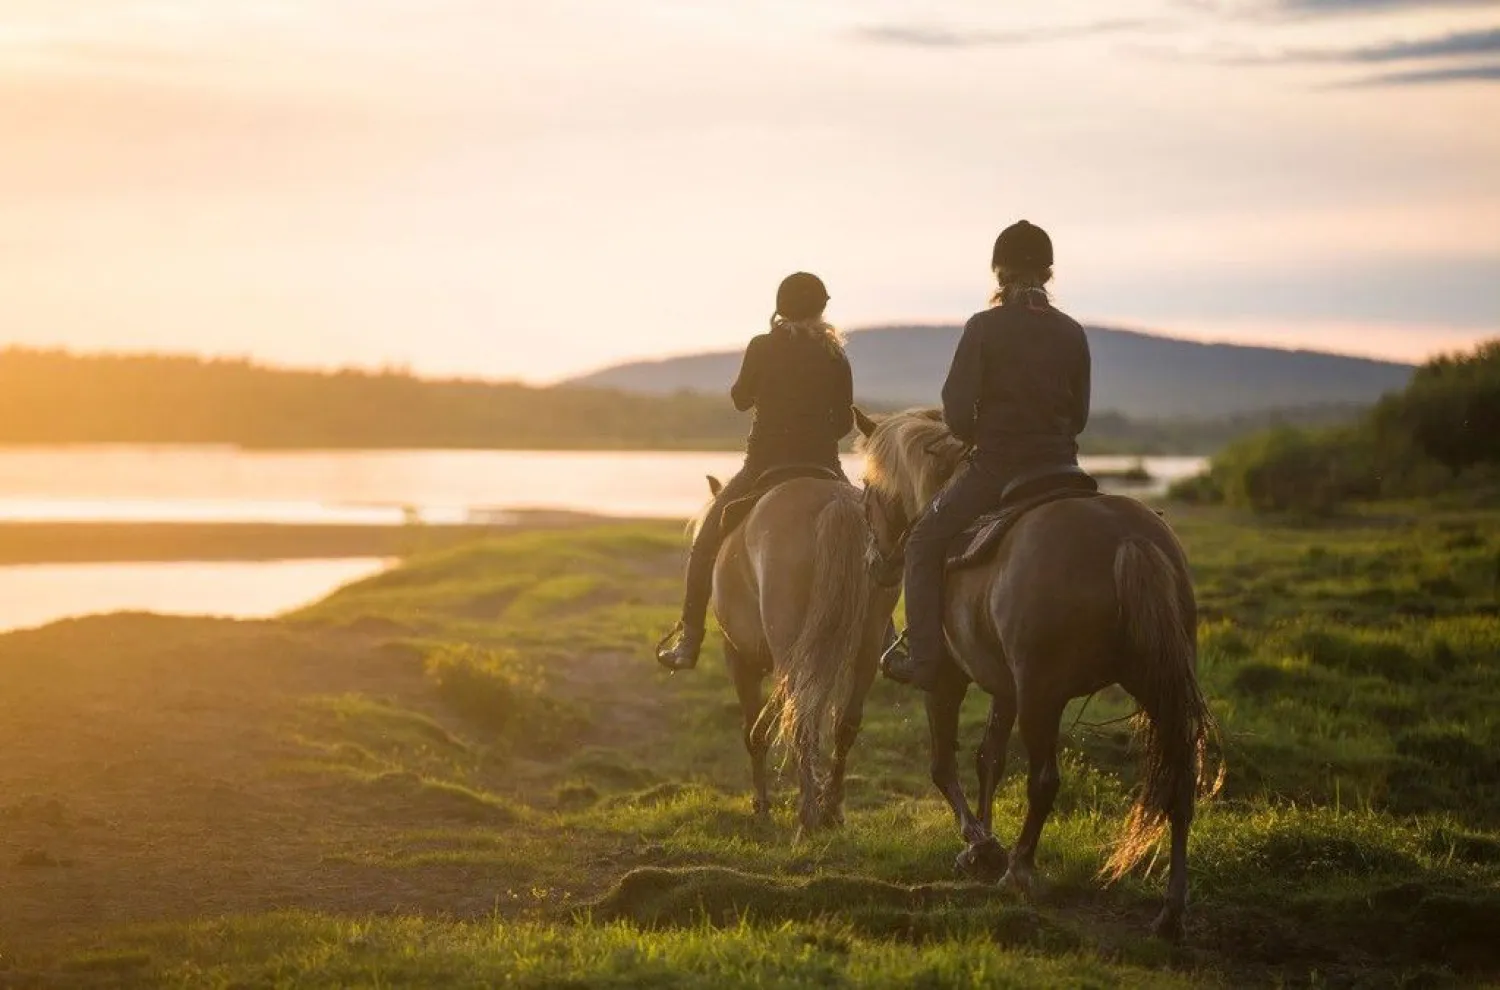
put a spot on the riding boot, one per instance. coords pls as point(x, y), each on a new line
point(689, 632)
point(917, 654)
point(968, 496)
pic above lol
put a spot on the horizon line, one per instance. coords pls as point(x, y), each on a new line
point(1238, 342)
point(406, 369)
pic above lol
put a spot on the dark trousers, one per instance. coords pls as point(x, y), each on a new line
point(970, 494)
point(700, 566)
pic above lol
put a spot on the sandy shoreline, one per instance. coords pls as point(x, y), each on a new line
point(100, 543)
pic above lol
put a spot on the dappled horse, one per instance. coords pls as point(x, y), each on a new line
point(796, 599)
point(1079, 593)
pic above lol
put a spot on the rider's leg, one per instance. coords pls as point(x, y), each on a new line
point(699, 580)
point(971, 494)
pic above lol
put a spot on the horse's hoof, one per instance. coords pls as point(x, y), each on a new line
point(1169, 926)
point(984, 861)
point(1018, 880)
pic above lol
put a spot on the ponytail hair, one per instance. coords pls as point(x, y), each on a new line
point(813, 328)
point(1011, 283)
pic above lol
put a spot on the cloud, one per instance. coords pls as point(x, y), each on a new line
point(1423, 77)
point(1460, 43)
point(1451, 55)
point(1268, 12)
point(1373, 6)
point(933, 36)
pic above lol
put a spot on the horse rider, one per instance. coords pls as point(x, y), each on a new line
point(797, 379)
point(1018, 394)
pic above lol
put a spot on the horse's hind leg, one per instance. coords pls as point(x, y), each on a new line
point(831, 801)
point(757, 729)
point(1040, 722)
point(847, 730)
point(1169, 924)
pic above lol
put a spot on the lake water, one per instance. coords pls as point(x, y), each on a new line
point(131, 484)
point(35, 594)
point(225, 484)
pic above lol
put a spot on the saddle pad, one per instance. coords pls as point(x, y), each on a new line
point(975, 545)
point(735, 512)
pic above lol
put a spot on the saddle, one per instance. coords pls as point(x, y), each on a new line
point(735, 512)
point(975, 545)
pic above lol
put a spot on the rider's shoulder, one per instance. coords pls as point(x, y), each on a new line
point(985, 318)
point(1068, 321)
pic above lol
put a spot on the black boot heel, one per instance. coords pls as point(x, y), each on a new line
point(681, 655)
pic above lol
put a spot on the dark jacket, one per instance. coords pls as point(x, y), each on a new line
point(802, 392)
point(1019, 385)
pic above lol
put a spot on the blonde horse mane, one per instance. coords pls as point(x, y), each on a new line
point(910, 456)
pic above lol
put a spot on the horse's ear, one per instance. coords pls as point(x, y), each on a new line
point(866, 424)
point(714, 485)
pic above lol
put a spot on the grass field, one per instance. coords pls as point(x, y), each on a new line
point(467, 772)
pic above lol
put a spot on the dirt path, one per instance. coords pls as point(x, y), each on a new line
point(149, 770)
point(142, 771)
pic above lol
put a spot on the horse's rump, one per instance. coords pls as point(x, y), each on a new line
point(796, 584)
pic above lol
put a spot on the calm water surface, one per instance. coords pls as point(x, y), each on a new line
point(35, 594)
point(226, 485)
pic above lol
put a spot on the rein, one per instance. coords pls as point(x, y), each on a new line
point(890, 564)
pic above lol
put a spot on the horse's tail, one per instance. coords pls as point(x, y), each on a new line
point(695, 523)
point(817, 676)
point(1175, 725)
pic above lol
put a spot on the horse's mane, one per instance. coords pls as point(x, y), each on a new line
point(911, 453)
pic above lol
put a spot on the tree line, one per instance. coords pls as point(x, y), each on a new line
point(1438, 436)
point(54, 397)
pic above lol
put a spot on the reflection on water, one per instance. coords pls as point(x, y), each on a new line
point(361, 487)
point(132, 484)
point(271, 512)
point(32, 595)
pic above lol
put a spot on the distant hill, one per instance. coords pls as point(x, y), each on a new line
point(50, 397)
point(1137, 375)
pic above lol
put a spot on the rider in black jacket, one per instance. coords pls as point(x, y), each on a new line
point(1018, 392)
point(797, 379)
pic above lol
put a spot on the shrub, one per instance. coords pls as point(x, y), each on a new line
point(1451, 410)
point(499, 691)
point(1442, 432)
point(1290, 470)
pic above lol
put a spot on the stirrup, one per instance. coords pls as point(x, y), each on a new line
point(897, 664)
point(897, 651)
point(668, 656)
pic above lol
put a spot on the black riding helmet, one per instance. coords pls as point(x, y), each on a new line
point(1022, 247)
point(801, 296)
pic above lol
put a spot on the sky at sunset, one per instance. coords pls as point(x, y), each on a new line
point(534, 189)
